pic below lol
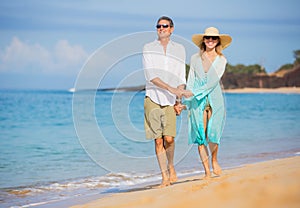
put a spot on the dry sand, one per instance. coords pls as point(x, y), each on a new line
point(265, 90)
point(273, 183)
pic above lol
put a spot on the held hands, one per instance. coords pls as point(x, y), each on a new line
point(187, 94)
point(181, 92)
point(178, 107)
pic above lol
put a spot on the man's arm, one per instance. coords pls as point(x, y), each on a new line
point(176, 91)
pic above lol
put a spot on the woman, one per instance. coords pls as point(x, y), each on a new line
point(206, 106)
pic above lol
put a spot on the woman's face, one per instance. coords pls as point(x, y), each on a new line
point(211, 41)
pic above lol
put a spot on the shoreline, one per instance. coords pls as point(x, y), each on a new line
point(272, 183)
point(235, 90)
point(285, 90)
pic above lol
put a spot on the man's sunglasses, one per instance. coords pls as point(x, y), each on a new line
point(163, 25)
point(211, 37)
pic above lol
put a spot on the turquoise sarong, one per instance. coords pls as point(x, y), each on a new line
point(205, 86)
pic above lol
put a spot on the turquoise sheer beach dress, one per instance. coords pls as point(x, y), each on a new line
point(206, 88)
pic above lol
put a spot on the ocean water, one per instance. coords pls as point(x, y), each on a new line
point(59, 145)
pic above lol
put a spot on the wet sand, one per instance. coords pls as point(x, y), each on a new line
point(273, 183)
point(265, 90)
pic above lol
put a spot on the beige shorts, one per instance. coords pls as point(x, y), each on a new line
point(159, 120)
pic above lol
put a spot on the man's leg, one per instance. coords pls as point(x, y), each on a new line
point(162, 161)
point(170, 148)
point(169, 132)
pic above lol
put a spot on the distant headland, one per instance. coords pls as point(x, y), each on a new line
point(252, 76)
point(239, 80)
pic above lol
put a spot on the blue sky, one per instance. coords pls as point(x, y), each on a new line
point(44, 44)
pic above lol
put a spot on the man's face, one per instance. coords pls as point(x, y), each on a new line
point(163, 29)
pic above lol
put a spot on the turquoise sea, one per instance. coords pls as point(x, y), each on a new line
point(58, 146)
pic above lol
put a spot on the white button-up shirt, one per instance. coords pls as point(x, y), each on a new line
point(169, 67)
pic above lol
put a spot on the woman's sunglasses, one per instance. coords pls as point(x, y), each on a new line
point(163, 25)
point(211, 37)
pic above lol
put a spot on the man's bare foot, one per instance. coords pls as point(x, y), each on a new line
point(216, 168)
point(207, 176)
point(173, 176)
point(164, 184)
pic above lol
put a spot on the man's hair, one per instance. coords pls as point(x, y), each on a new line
point(166, 18)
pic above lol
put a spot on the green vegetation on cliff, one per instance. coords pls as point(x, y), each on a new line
point(257, 69)
point(242, 69)
point(241, 76)
point(288, 67)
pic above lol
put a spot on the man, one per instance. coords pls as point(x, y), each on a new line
point(164, 67)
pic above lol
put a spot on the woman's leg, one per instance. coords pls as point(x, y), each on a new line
point(202, 149)
point(213, 148)
point(203, 152)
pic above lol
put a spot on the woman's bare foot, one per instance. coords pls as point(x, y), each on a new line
point(216, 168)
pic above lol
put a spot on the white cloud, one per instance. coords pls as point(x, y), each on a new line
point(19, 55)
point(67, 54)
point(22, 57)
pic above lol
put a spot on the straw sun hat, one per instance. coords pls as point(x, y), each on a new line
point(212, 31)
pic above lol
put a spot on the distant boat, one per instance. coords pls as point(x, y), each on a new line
point(71, 90)
point(115, 89)
point(124, 89)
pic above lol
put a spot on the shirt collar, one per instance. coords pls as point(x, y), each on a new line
point(170, 42)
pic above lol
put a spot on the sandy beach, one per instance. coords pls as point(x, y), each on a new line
point(272, 183)
point(265, 90)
